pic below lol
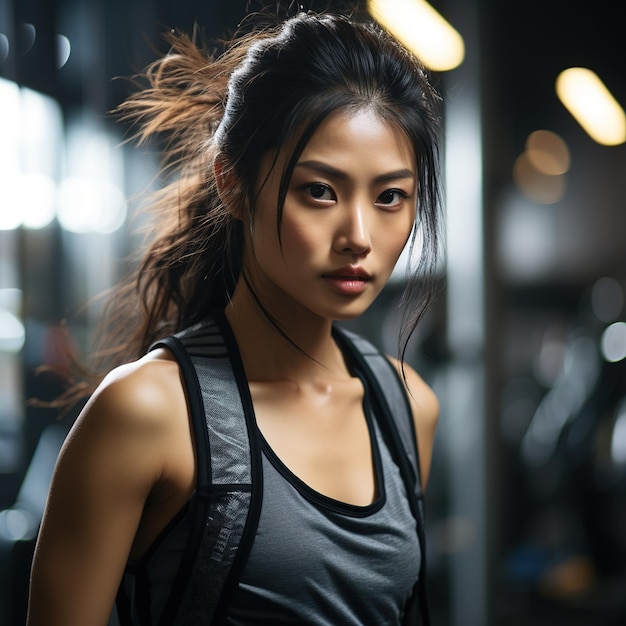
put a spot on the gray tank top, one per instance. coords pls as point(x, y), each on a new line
point(314, 560)
point(322, 562)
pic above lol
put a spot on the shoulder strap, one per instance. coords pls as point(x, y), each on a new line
point(229, 483)
point(390, 396)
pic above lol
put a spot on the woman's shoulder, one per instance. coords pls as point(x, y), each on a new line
point(424, 402)
point(142, 397)
point(134, 424)
point(425, 409)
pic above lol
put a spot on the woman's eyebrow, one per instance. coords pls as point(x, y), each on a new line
point(329, 170)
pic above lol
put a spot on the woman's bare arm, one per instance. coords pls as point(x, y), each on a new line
point(114, 457)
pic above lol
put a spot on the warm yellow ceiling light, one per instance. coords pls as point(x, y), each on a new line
point(547, 152)
point(593, 106)
point(537, 186)
point(420, 28)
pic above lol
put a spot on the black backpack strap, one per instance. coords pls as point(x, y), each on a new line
point(221, 527)
point(391, 398)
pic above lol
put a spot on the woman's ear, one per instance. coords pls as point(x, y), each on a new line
point(227, 186)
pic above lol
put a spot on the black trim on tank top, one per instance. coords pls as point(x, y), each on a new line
point(144, 598)
point(319, 499)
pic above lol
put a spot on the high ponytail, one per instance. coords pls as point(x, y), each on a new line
point(192, 260)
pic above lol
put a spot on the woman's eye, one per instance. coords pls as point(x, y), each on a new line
point(319, 191)
point(391, 197)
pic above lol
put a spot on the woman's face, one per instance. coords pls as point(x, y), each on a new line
point(348, 213)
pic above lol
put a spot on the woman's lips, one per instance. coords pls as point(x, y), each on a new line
point(348, 281)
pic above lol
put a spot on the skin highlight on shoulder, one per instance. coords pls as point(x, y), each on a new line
point(142, 390)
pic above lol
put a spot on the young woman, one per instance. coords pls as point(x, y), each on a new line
point(304, 159)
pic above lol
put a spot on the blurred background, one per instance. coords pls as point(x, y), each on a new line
point(525, 344)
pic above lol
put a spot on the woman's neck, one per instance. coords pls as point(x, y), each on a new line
point(299, 345)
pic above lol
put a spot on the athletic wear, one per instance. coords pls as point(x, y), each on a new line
point(234, 553)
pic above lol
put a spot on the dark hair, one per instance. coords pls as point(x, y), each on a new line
point(269, 88)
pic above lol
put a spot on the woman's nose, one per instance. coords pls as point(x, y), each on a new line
point(353, 236)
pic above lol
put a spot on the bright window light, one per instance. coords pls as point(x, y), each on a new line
point(10, 214)
point(91, 197)
point(592, 105)
point(94, 206)
point(37, 200)
point(41, 133)
point(27, 200)
point(418, 26)
point(31, 128)
point(9, 154)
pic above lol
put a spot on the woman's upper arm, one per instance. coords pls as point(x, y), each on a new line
point(110, 462)
point(425, 408)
